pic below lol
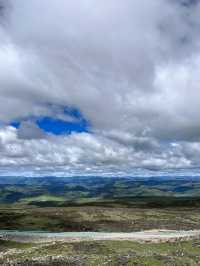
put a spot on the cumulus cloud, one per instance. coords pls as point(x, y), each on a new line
point(82, 153)
point(131, 68)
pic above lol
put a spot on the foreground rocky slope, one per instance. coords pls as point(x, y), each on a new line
point(112, 253)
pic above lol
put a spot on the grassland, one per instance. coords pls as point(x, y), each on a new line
point(101, 253)
point(99, 218)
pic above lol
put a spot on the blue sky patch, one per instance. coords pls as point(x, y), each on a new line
point(59, 126)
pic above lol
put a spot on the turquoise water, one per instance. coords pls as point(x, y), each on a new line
point(50, 234)
point(43, 234)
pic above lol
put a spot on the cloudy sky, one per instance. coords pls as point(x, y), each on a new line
point(99, 87)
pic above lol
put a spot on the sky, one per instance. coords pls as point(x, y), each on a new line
point(94, 87)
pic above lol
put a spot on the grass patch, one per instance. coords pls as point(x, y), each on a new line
point(4, 244)
point(110, 253)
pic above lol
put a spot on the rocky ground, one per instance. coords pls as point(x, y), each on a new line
point(99, 253)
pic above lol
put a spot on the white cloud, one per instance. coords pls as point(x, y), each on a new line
point(82, 153)
point(131, 67)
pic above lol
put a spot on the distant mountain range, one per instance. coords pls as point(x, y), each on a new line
point(60, 190)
